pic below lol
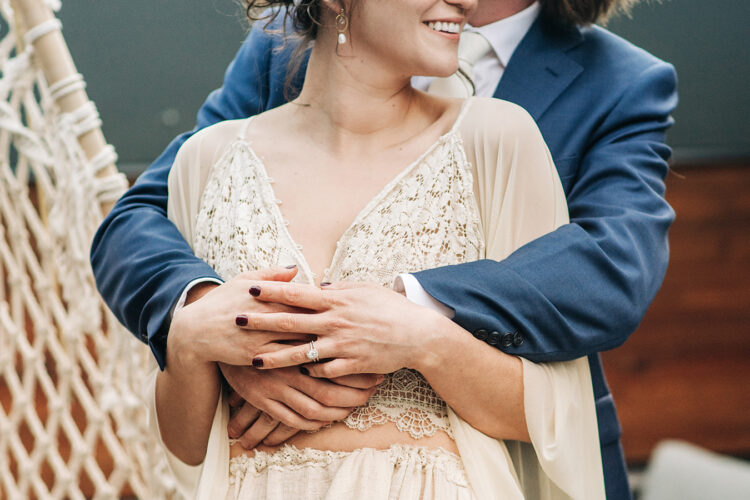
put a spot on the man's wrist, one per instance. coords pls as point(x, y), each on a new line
point(408, 285)
point(199, 290)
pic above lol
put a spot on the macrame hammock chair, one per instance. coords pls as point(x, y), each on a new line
point(72, 419)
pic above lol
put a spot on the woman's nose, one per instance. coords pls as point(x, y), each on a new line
point(466, 6)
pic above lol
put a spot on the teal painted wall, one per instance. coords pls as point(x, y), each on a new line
point(149, 65)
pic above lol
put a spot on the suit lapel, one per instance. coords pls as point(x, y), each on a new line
point(540, 70)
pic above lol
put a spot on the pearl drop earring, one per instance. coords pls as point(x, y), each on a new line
point(342, 23)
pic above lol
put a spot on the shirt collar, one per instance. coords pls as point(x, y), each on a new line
point(505, 35)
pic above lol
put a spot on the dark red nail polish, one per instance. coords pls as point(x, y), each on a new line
point(293, 266)
point(241, 320)
point(325, 283)
point(304, 371)
point(255, 291)
point(257, 363)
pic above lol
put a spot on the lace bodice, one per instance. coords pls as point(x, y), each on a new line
point(426, 217)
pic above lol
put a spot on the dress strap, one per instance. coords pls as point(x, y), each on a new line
point(242, 133)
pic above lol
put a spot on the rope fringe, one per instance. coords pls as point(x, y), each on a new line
point(72, 419)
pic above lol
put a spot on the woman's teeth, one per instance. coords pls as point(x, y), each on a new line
point(445, 27)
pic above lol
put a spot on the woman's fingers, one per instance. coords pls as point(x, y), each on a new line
point(241, 420)
point(269, 274)
point(291, 294)
point(296, 355)
point(283, 322)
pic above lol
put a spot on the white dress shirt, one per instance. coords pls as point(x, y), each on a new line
point(504, 36)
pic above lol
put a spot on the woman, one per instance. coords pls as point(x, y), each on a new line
point(447, 181)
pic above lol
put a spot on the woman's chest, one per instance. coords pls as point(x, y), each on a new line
point(358, 225)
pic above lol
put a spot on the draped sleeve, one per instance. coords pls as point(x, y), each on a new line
point(190, 171)
point(520, 198)
point(187, 179)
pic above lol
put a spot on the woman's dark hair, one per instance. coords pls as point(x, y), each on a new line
point(583, 12)
point(305, 17)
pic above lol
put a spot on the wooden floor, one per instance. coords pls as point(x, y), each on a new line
point(685, 373)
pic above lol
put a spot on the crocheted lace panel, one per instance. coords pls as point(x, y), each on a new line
point(426, 217)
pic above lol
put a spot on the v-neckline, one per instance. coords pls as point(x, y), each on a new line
point(282, 221)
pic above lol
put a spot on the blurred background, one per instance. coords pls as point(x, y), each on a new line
point(685, 374)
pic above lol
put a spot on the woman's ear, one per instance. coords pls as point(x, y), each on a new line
point(336, 5)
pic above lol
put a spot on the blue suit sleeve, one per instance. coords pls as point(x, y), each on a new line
point(585, 287)
point(141, 262)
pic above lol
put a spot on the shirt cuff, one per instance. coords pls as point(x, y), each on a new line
point(409, 285)
point(181, 301)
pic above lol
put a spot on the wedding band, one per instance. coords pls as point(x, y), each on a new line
point(312, 353)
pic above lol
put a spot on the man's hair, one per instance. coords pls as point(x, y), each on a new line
point(583, 12)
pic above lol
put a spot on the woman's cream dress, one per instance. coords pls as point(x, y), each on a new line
point(482, 190)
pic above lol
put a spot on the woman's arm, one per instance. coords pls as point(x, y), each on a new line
point(366, 328)
point(187, 392)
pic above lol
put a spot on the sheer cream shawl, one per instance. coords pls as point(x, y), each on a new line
point(520, 198)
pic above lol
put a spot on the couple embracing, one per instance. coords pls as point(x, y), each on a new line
point(396, 242)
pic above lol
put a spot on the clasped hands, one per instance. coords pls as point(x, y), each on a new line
point(361, 331)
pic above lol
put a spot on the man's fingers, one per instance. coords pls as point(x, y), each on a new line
point(359, 381)
point(235, 400)
point(280, 434)
point(281, 412)
point(258, 431)
point(241, 420)
point(335, 368)
point(331, 395)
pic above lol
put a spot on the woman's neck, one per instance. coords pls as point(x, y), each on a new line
point(355, 105)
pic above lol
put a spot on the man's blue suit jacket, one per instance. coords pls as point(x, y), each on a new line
point(603, 107)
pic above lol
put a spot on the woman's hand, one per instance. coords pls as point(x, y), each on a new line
point(363, 327)
point(210, 329)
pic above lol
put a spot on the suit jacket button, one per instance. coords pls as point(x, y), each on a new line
point(494, 339)
point(507, 340)
point(481, 334)
point(518, 339)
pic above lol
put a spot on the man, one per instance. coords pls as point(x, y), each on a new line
point(603, 107)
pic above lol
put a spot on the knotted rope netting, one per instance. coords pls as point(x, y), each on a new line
point(72, 421)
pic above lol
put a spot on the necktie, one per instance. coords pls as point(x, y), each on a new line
point(471, 48)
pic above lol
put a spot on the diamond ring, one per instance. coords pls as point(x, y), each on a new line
point(312, 353)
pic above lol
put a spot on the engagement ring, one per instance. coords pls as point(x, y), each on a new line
point(312, 353)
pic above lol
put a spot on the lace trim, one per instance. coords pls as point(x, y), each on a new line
point(407, 400)
point(291, 458)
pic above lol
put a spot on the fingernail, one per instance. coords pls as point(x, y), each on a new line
point(304, 371)
point(293, 266)
point(257, 362)
point(325, 283)
point(255, 291)
point(241, 320)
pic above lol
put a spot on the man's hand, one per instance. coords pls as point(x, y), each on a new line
point(280, 403)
